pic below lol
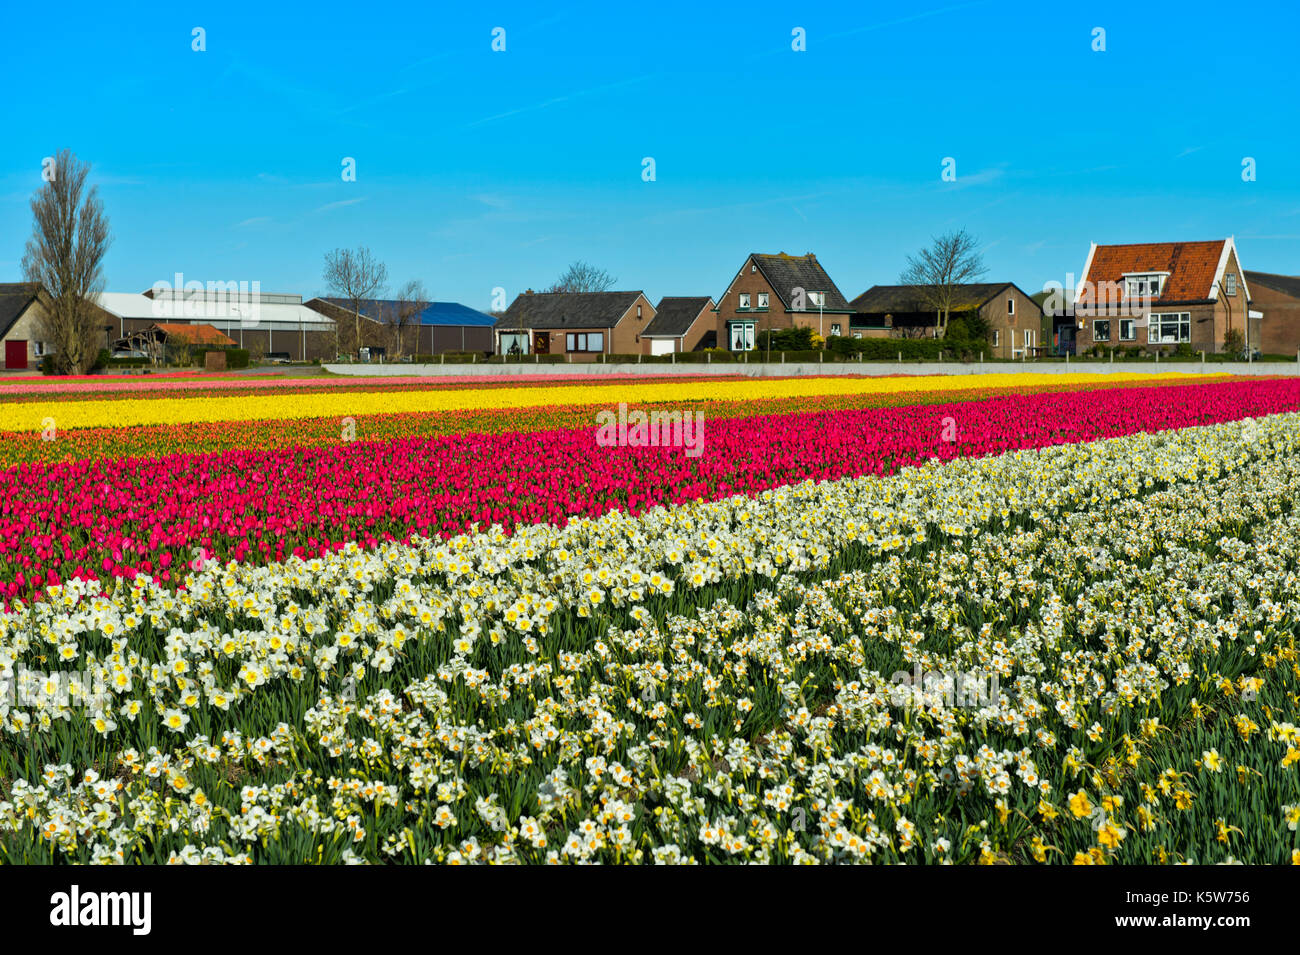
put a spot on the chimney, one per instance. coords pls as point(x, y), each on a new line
point(528, 291)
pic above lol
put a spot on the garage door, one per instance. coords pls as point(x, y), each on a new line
point(16, 354)
point(661, 346)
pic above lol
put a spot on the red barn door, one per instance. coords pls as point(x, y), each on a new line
point(15, 354)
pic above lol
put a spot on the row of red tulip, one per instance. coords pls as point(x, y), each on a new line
point(146, 515)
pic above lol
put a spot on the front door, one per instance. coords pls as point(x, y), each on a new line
point(1065, 345)
point(15, 354)
point(541, 343)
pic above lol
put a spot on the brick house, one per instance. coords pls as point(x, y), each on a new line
point(775, 292)
point(1014, 319)
point(1162, 295)
point(583, 325)
point(681, 323)
point(1278, 298)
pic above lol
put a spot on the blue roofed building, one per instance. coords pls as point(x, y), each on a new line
point(398, 329)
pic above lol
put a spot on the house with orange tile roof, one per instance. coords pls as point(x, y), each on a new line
point(179, 333)
point(1158, 296)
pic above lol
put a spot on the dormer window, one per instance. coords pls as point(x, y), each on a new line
point(1144, 284)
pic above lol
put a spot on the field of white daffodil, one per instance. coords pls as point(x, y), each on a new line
point(1104, 635)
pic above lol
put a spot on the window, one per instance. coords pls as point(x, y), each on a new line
point(1011, 306)
point(1101, 331)
point(638, 311)
point(835, 328)
point(997, 338)
point(514, 343)
point(753, 268)
point(1144, 285)
point(1230, 283)
point(741, 336)
point(1170, 328)
point(744, 300)
point(585, 341)
point(762, 300)
point(1128, 330)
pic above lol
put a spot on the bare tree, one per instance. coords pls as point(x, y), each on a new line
point(951, 260)
point(357, 277)
point(65, 256)
point(411, 300)
point(581, 277)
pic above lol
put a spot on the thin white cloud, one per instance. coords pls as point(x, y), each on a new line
point(340, 204)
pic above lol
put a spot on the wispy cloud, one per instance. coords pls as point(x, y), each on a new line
point(1188, 151)
point(255, 220)
point(982, 177)
point(555, 100)
point(491, 200)
point(340, 204)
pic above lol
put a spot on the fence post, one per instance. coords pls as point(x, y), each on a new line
point(442, 358)
point(900, 357)
point(473, 359)
point(673, 359)
point(1297, 355)
point(981, 358)
point(708, 358)
point(1203, 359)
point(821, 356)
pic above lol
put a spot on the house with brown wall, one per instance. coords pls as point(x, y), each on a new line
point(681, 323)
point(772, 292)
point(1160, 295)
point(1277, 298)
point(583, 325)
point(1013, 318)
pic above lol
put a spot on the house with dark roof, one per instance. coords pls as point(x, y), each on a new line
point(772, 292)
point(1162, 295)
point(23, 335)
point(582, 325)
point(681, 323)
point(1013, 319)
point(22, 309)
point(394, 328)
point(1277, 297)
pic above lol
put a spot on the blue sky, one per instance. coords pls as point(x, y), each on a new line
point(478, 169)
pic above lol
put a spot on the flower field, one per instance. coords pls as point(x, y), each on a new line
point(983, 619)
